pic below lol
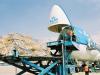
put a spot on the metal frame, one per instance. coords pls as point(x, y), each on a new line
point(56, 65)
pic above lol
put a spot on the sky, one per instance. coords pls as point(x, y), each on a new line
point(31, 17)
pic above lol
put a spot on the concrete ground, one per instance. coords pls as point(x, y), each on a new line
point(11, 70)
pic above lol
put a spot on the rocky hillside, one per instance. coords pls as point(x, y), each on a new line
point(24, 44)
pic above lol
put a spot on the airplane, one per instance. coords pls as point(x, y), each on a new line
point(60, 23)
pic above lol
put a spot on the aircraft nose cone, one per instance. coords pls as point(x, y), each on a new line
point(58, 19)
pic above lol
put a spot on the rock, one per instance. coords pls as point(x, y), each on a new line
point(25, 45)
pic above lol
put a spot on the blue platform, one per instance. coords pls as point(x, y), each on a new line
point(60, 62)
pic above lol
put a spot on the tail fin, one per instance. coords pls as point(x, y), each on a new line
point(58, 19)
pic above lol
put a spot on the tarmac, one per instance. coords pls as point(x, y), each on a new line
point(11, 70)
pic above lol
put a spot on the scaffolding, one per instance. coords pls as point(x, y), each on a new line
point(59, 63)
